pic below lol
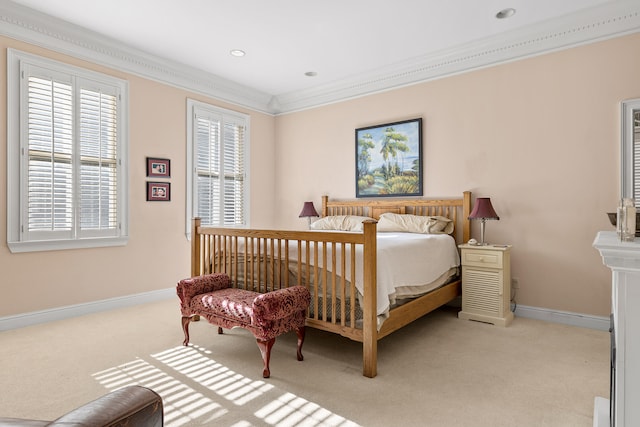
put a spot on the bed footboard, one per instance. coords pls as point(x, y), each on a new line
point(267, 260)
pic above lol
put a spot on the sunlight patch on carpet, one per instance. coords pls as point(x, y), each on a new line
point(291, 410)
point(184, 405)
point(194, 363)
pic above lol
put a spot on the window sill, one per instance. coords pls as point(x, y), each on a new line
point(55, 245)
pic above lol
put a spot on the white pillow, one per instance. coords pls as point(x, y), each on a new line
point(340, 222)
point(415, 223)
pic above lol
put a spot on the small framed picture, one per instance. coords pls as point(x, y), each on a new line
point(158, 191)
point(160, 168)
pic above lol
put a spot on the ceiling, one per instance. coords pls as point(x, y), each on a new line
point(354, 46)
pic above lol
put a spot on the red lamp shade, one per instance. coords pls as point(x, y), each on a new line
point(308, 210)
point(483, 209)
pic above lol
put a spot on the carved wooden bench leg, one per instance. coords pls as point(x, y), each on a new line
point(185, 328)
point(300, 332)
point(265, 350)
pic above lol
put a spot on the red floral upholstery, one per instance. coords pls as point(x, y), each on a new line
point(229, 305)
point(189, 288)
point(265, 315)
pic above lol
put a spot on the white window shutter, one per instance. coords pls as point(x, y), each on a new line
point(67, 180)
point(98, 162)
point(49, 186)
point(219, 187)
point(233, 146)
point(636, 157)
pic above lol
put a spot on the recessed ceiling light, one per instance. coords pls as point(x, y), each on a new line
point(310, 74)
point(505, 13)
point(237, 52)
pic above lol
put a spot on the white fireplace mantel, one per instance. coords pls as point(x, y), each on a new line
point(623, 258)
point(618, 255)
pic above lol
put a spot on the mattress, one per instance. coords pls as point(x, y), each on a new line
point(408, 265)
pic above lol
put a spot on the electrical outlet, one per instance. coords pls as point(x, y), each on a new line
point(515, 283)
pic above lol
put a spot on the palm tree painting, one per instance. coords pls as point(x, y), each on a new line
point(389, 159)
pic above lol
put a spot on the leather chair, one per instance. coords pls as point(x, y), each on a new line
point(129, 406)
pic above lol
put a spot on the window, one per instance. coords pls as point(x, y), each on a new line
point(630, 169)
point(216, 156)
point(66, 160)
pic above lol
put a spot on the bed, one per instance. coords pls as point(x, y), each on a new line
point(348, 268)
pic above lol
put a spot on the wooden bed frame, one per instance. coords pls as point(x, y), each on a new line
point(260, 260)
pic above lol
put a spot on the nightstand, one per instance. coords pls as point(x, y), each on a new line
point(486, 283)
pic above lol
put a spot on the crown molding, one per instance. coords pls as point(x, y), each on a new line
point(612, 19)
point(28, 25)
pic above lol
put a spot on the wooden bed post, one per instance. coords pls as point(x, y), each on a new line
point(195, 247)
point(325, 200)
point(370, 309)
point(466, 210)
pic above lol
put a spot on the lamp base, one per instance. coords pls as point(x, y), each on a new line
point(482, 242)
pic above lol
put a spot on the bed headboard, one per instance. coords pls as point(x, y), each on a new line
point(456, 209)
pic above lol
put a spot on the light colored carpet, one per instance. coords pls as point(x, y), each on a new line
point(438, 371)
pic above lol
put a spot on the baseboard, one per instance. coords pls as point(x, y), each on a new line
point(564, 317)
point(60, 313)
point(601, 412)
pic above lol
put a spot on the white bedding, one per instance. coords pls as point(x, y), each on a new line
point(405, 261)
point(408, 260)
point(409, 265)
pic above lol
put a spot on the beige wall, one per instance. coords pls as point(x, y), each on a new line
point(157, 254)
point(539, 136)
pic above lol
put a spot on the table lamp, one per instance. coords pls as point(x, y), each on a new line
point(482, 210)
point(308, 210)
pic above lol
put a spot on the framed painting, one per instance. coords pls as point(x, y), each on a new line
point(158, 191)
point(389, 159)
point(160, 168)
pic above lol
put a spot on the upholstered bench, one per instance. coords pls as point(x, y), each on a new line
point(265, 315)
